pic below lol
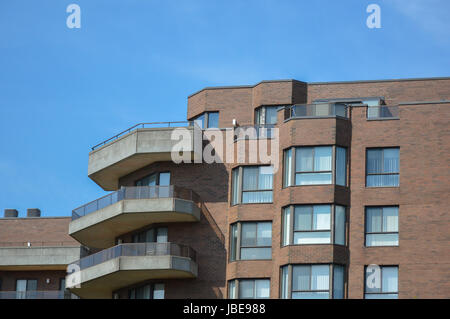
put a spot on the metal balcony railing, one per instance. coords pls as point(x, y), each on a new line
point(253, 132)
point(316, 110)
point(136, 249)
point(145, 125)
point(55, 294)
point(135, 192)
point(382, 112)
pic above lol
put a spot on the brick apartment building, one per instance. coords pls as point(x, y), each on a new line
point(362, 180)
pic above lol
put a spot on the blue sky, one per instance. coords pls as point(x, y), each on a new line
point(63, 90)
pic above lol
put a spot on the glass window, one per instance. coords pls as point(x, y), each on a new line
point(312, 281)
point(385, 287)
point(213, 119)
point(26, 288)
point(152, 235)
point(382, 167)
point(287, 179)
point(381, 226)
point(341, 166)
point(254, 240)
point(249, 288)
point(155, 179)
point(148, 291)
point(313, 165)
point(266, 115)
point(200, 120)
point(207, 120)
point(257, 185)
point(312, 224)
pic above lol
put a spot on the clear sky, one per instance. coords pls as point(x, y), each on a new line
point(63, 90)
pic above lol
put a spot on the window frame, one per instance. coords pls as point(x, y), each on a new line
point(237, 283)
point(382, 161)
point(292, 170)
point(261, 113)
point(206, 121)
point(238, 246)
point(332, 229)
point(239, 170)
point(331, 287)
point(158, 178)
point(152, 290)
point(382, 232)
point(381, 281)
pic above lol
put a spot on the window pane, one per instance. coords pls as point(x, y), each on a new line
point(303, 218)
point(284, 282)
point(257, 197)
point(149, 236)
point(287, 181)
point(313, 178)
point(338, 282)
point(389, 279)
point(382, 180)
point(322, 217)
point(265, 177)
point(322, 158)
point(286, 226)
point(200, 121)
point(341, 166)
point(300, 278)
point(374, 218)
point(320, 277)
point(248, 237)
point(264, 234)
point(246, 289)
point(32, 285)
point(304, 159)
point(235, 186)
point(271, 115)
point(233, 242)
point(381, 240)
point(312, 238)
point(339, 225)
point(256, 253)
point(391, 160)
point(262, 288)
point(158, 291)
point(161, 235)
point(164, 179)
point(390, 219)
point(147, 181)
point(310, 295)
point(250, 181)
point(232, 289)
point(374, 161)
point(213, 119)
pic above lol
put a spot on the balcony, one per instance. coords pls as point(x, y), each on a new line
point(139, 146)
point(47, 294)
point(319, 110)
point(100, 274)
point(382, 112)
point(98, 223)
point(38, 256)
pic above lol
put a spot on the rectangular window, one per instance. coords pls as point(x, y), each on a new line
point(152, 235)
point(266, 115)
point(249, 288)
point(313, 224)
point(381, 282)
point(257, 185)
point(155, 179)
point(381, 226)
point(256, 241)
point(250, 241)
point(382, 167)
point(149, 291)
point(26, 288)
point(207, 120)
point(341, 166)
point(312, 281)
point(313, 165)
point(287, 167)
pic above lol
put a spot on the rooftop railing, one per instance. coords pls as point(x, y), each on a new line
point(253, 132)
point(382, 112)
point(135, 192)
point(136, 249)
point(316, 110)
point(145, 125)
point(55, 294)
